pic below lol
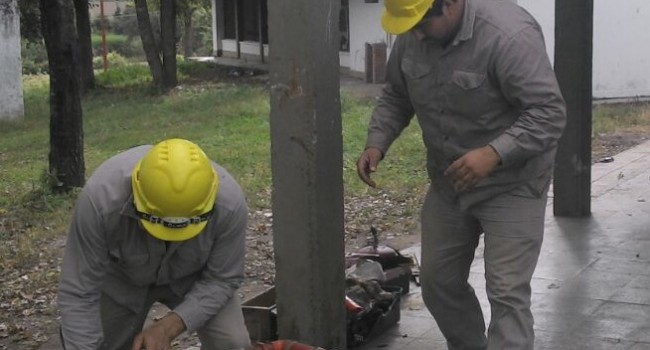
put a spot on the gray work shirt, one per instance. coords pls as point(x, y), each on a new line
point(108, 252)
point(492, 85)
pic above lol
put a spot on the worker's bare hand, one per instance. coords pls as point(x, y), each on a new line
point(152, 338)
point(367, 164)
point(472, 167)
point(159, 335)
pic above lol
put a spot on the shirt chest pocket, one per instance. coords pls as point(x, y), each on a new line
point(470, 92)
point(467, 81)
point(419, 79)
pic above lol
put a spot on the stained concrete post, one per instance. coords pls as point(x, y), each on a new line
point(307, 163)
point(11, 86)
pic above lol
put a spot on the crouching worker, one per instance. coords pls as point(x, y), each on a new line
point(159, 223)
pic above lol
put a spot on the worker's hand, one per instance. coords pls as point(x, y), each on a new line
point(159, 335)
point(472, 167)
point(367, 164)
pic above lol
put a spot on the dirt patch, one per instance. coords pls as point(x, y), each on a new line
point(608, 145)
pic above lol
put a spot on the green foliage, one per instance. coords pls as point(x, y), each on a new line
point(203, 32)
point(117, 43)
point(30, 20)
point(122, 33)
point(34, 57)
point(612, 117)
point(114, 60)
point(125, 23)
point(124, 75)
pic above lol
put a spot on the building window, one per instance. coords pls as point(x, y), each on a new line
point(344, 26)
point(243, 17)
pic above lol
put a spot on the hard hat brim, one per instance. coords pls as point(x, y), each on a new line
point(398, 25)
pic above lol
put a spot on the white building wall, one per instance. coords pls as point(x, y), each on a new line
point(621, 65)
point(365, 27)
point(621, 35)
point(11, 90)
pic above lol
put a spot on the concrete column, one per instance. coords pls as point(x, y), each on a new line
point(307, 164)
point(217, 28)
point(11, 86)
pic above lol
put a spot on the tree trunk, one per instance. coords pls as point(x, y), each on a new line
point(66, 158)
point(85, 45)
point(168, 38)
point(149, 43)
point(188, 34)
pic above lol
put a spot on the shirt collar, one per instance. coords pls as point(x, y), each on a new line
point(467, 26)
point(128, 208)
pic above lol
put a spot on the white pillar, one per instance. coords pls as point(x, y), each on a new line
point(11, 87)
point(217, 28)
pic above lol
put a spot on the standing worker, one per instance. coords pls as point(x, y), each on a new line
point(159, 223)
point(478, 78)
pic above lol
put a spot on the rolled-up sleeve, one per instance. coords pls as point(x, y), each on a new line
point(528, 82)
point(82, 273)
point(223, 273)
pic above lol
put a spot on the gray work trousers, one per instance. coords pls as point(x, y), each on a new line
point(224, 331)
point(513, 227)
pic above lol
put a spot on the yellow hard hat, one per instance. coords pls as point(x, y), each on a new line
point(401, 15)
point(174, 189)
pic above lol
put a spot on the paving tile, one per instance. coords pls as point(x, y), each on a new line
point(386, 341)
point(562, 314)
point(617, 321)
point(550, 341)
point(594, 284)
point(409, 326)
point(637, 291)
point(426, 344)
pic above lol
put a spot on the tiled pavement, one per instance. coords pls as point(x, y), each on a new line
point(591, 289)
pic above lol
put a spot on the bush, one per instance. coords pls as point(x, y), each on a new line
point(125, 76)
point(34, 57)
point(115, 60)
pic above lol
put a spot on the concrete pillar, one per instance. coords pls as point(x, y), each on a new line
point(307, 164)
point(11, 86)
point(217, 28)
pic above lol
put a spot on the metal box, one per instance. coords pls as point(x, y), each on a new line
point(260, 316)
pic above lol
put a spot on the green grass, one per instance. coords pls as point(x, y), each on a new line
point(621, 117)
point(229, 121)
point(111, 39)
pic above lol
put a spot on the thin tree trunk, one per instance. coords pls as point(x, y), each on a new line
point(85, 45)
point(149, 43)
point(66, 159)
point(168, 38)
point(188, 34)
